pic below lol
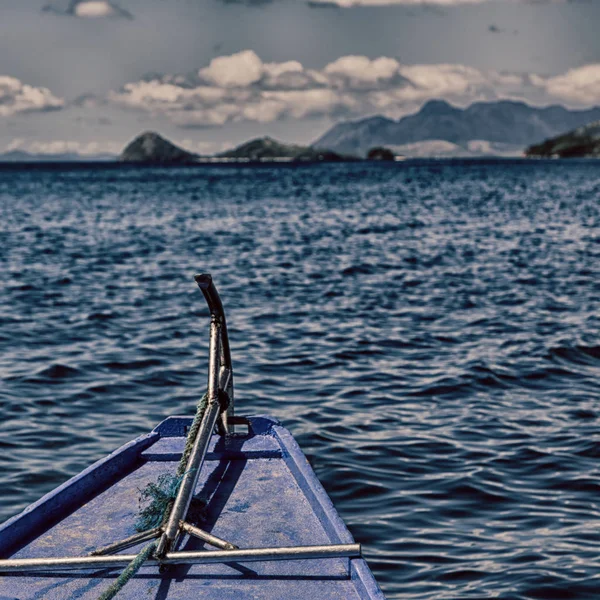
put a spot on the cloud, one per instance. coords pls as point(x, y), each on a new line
point(90, 9)
point(580, 86)
point(433, 5)
point(17, 97)
point(248, 2)
point(368, 3)
point(359, 72)
point(89, 149)
point(237, 70)
point(423, 3)
point(87, 101)
point(64, 147)
point(241, 87)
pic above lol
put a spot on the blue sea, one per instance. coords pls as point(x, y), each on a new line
point(429, 332)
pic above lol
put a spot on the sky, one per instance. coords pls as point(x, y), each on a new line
point(87, 76)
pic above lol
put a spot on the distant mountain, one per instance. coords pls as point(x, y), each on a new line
point(502, 122)
point(268, 149)
point(583, 142)
point(17, 156)
point(150, 147)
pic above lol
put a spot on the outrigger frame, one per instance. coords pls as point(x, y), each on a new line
point(220, 384)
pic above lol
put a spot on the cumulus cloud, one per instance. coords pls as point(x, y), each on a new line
point(17, 97)
point(241, 87)
point(581, 85)
point(237, 70)
point(359, 72)
point(90, 9)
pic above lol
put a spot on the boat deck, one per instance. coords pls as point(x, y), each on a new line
point(258, 490)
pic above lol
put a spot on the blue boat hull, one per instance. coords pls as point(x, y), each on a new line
point(259, 492)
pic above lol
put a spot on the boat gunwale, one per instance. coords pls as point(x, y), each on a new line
point(43, 514)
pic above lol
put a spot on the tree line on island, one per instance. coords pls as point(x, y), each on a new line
point(583, 142)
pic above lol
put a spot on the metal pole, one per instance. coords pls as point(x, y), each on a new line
point(209, 291)
point(137, 538)
point(213, 540)
point(21, 565)
point(190, 477)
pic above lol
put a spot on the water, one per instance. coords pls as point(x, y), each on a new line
point(428, 331)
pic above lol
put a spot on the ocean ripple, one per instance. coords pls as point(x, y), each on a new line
point(427, 330)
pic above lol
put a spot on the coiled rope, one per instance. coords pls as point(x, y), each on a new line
point(162, 494)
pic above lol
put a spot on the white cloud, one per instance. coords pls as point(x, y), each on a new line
point(581, 85)
point(361, 72)
point(94, 9)
point(437, 3)
point(240, 87)
point(64, 147)
point(90, 9)
point(90, 149)
point(445, 80)
point(237, 70)
point(353, 3)
point(280, 69)
point(17, 97)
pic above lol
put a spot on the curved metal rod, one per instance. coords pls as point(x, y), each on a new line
point(207, 286)
point(220, 379)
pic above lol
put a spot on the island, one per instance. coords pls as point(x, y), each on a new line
point(381, 153)
point(152, 148)
point(583, 142)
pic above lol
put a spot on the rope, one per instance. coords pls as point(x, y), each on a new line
point(130, 570)
point(192, 433)
point(163, 494)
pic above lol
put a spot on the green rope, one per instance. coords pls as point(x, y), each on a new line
point(161, 494)
point(130, 570)
point(192, 433)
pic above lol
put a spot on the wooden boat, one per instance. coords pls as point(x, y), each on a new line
point(276, 531)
